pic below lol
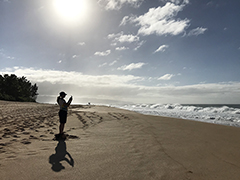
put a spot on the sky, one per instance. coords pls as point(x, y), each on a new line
point(124, 51)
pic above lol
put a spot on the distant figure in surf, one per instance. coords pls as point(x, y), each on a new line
point(63, 111)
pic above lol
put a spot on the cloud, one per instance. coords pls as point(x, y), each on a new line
point(67, 77)
point(116, 88)
point(161, 48)
point(112, 63)
point(101, 65)
point(125, 20)
point(159, 21)
point(139, 45)
point(197, 31)
point(104, 53)
point(177, 1)
point(6, 56)
point(109, 64)
point(121, 48)
point(51, 82)
point(117, 4)
point(211, 3)
point(120, 37)
point(81, 43)
point(132, 66)
point(74, 56)
point(166, 77)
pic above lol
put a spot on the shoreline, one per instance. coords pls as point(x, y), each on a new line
point(111, 143)
point(211, 120)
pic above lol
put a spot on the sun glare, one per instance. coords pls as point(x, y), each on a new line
point(71, 10)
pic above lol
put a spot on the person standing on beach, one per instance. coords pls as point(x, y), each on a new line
point(63, 110)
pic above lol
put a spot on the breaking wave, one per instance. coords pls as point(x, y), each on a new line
point(218, 114)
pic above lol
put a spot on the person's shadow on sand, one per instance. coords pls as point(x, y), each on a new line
point(60, 155)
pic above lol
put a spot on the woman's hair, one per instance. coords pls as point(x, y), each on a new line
point(58, 98)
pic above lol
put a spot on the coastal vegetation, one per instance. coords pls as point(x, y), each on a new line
point(13, 88)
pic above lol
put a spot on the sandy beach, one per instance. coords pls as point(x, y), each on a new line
point(109, 143)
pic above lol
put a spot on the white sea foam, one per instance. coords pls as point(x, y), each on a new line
point(224, 115)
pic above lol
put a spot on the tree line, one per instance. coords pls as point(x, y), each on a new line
point(13, 88)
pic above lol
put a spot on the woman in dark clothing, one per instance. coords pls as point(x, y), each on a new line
point(63, 110)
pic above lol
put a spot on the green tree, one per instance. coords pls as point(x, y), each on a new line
point(33, 91)
point(13, 88)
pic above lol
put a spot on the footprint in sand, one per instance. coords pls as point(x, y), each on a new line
point(43, 135)
point(6, 129)
point(16, 136)
point(32, 137)
point(25, 141)
point(2, 144)
point(26, 133)
point(73, 137)
point(11, 157)
point(6, 135)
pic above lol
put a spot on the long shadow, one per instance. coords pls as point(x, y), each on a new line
point(60, 155)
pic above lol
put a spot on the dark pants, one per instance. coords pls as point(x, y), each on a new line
point(62, 116)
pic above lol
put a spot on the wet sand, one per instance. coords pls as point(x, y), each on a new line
point(110, 143)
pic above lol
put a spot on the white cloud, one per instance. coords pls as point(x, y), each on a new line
point(117, 4)
point(162, 48)
point(81, 43)
point(139, 45)
point(125, 20)
point(197, 31)
point(211, 3)
point(101, 65)
point(166, 77)
point(120, 37)
point(122, 88)
point(113, 44)
point(74, 56)
point(6, 56)
point(104, 53)
point(71, 77)
point(131, 66)
point(177, 1)
point(112, 63)
point(121, 48)
point(160, 20)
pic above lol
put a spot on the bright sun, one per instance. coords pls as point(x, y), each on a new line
point(71, 10)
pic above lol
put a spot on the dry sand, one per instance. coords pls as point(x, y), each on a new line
point(109, 143)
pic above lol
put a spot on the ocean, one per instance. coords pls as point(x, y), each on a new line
point(225, 114)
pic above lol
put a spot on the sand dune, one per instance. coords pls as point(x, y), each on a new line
point(109, 143)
